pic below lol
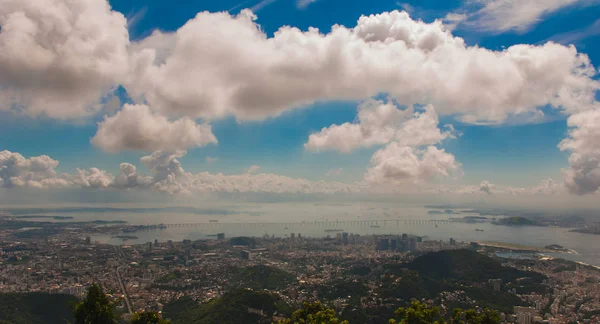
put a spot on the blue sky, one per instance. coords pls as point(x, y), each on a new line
point(518, 153)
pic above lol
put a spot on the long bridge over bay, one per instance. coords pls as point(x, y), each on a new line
point(324, 224)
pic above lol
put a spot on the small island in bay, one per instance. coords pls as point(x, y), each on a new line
point(442, 212)
point(586, 230)
point(126, 237)
point(43, 217)
point(515, 221)
point(470, 219)
point(556, 247)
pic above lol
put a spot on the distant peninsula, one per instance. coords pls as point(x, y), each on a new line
point(586, 231)
point(43, 217)
point(515, 221)
point(442, 212)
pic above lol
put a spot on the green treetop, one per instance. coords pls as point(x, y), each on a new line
point(95, 308)
point(418, 313)
point(313, 313)
point(471, 316)
point(148, 318)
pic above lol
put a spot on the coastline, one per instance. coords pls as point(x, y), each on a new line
point(523, 248)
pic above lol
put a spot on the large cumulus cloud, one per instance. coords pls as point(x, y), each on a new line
point(226, 65)
point(583, 174)
point(545, 188)
point(38, 172)
point(409, 157)
point(136, 127)
point(398, 165)
point(395, 168)
point(60, 57)
point(169, 176)
point(380, 123)
point(217, 64)
point(166, 175)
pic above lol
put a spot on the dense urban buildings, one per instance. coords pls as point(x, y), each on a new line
point(358, 275)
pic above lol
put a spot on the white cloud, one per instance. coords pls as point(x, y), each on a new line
point(161, 45)
point(583, 174)
point(164, 164)
point(136, 17)
point(548, 187)
point(219, 65)
point(18, 171)
point(265, 183)
point(224, 65)
point(397, 165)
point(518, 15)
point(544, 188)
point(60, 57)
point(486, 187)
point(135, 127)
point(128, 178)
point(301, 4)
point(380, 123)
point(422, 130)
point(406, 6)
point(92, 178)
point(261, 4)
point(452, 20)
point(575, 36)
point(253, 169)
point(393, 169)
point(167, 175)
point(376, 124)
point(170, 177)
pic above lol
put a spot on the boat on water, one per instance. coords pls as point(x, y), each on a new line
point(478, 230)
point(329, 230)
point(375, 226)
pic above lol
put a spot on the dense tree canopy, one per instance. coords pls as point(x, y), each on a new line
point(95, 308)
point(38, 308)
point(418, 313)
point(313, 313)
point(231, 308)
point(471, 316)
point(148, 318)
point(421, 313)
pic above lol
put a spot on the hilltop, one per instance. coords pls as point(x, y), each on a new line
point(234, 307)
point(262, 277)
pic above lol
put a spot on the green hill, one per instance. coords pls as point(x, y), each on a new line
point(232, 308)
point(515, 221)
point(36, 308)
point(343, 289)
point(461, 270)
point(262, 277)
point(466, 266)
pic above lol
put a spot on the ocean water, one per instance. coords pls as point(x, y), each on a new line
point(282, 219)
